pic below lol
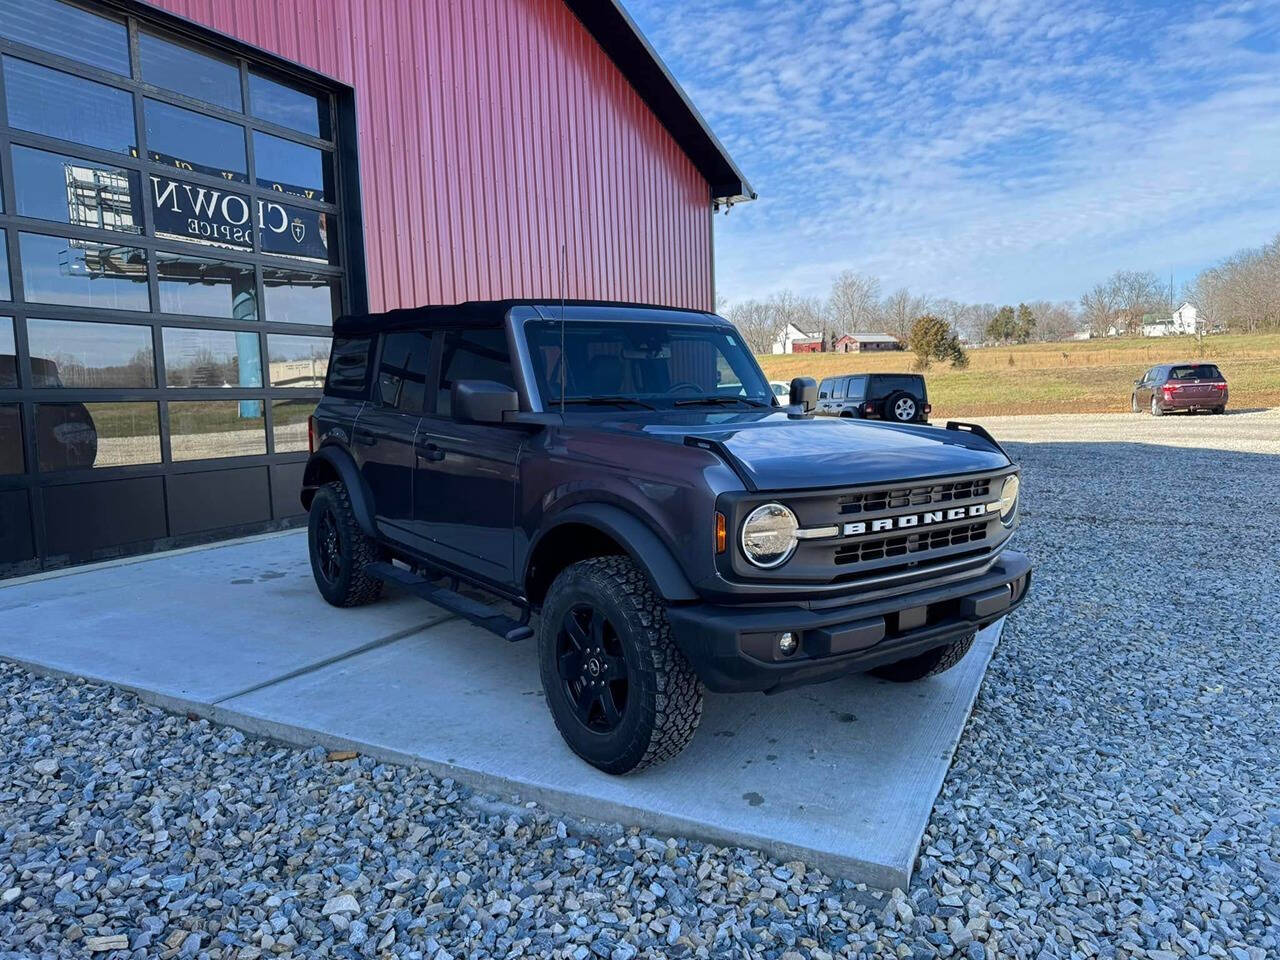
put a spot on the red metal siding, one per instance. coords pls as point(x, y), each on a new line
point(491, 132)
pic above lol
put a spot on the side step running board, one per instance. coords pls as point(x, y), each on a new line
point(481, 614)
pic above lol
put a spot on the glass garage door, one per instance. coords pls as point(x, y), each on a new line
point(171, 261)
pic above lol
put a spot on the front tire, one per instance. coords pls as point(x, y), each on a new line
point(621, 692)
point(927, 664)
point(340, 550)
point(1155, 408)
point(1133, 403)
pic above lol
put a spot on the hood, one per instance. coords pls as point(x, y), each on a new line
point(780, 452)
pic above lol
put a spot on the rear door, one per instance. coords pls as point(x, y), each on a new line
point(384, 436)
point(465, 479)
point(1196, 382)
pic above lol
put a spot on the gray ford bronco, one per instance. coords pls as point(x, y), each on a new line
point(621, 483)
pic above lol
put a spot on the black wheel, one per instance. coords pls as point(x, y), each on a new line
point(1219, 409)
point(901, 407)
point(621, 693)
point(926, 664)
point(340, 550)
point(1155, 408)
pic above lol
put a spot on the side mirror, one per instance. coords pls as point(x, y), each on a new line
point(804, 393)
point(482, 401)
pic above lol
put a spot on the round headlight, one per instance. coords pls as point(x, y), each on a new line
point(1009, 499)
point(769, 535)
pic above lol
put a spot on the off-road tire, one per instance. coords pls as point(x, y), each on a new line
point(927, 664)
point(888, 409)
point(664, 696)
point(1155, 408)
point(352, 587)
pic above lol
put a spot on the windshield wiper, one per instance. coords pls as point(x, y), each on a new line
point(611, 401)
point(717, 399)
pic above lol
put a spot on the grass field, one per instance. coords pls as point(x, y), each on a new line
point(1082, 376)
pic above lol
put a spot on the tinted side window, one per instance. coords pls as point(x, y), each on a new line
point(402, 370)
point(473, 355)
point(857, 388)
point(824, 391)
point(837, 389)
point(349, 367)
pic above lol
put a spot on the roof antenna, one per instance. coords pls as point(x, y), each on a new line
point(564, 270)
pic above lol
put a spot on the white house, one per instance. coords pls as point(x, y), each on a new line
point(786, 342)
point(1185, 320)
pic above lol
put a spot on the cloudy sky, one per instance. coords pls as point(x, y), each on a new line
point(987, 150)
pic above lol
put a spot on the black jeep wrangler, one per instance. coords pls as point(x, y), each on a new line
point(875, 396)
point(627, 475)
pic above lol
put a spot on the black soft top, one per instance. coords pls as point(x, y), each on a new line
point(479, 314)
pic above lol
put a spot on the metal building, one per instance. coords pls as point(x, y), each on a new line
point(191, 190)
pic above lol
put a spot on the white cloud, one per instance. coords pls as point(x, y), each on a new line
point(983, 149)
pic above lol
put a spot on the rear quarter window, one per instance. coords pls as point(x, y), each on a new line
point(349, 367)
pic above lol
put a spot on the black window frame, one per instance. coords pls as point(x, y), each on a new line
point(345, 236)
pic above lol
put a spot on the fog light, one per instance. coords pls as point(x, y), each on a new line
point(787, 644)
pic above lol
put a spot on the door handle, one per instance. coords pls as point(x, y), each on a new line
point(432, 452)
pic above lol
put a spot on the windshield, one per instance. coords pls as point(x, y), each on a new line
point(648, 364)
point(1199, 371)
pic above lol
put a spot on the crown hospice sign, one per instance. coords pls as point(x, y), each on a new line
point(188, 211)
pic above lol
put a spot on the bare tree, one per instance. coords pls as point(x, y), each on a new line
point(1140, 293)
point(1054, 321)
point(899, 310)
point(1243, 292)
point(757, 322)
point(805, 312)
point(1100, 306)
point(854, 304)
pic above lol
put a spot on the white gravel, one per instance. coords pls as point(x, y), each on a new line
point(1116, 794)
point(1244, 431)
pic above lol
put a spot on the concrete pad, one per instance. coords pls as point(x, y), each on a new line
point(198, 625)
point(842, 775)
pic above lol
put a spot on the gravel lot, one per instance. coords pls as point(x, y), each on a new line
point(1116, 793)
point(1244, 431)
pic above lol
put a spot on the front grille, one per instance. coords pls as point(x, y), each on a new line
point(881, 548)
point(877, 500)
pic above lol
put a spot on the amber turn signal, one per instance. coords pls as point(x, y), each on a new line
point(722, 538)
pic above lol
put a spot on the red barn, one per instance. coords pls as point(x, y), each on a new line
point(193, 189)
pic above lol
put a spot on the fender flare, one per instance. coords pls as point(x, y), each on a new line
point(645, 547)
point(341, 462)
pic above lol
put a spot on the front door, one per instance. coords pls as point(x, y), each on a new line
point(465, 480)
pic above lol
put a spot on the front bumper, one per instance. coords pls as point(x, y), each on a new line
point(734, 648)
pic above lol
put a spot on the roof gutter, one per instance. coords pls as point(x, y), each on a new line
point(620, 38)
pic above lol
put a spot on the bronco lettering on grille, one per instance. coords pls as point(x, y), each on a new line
point(860, 528)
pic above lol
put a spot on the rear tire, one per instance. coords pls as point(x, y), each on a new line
point(927, 664)
point(1155, 408)
point(340, 550)
point(900, 407)
point(621, 692)
point(1219, 410)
